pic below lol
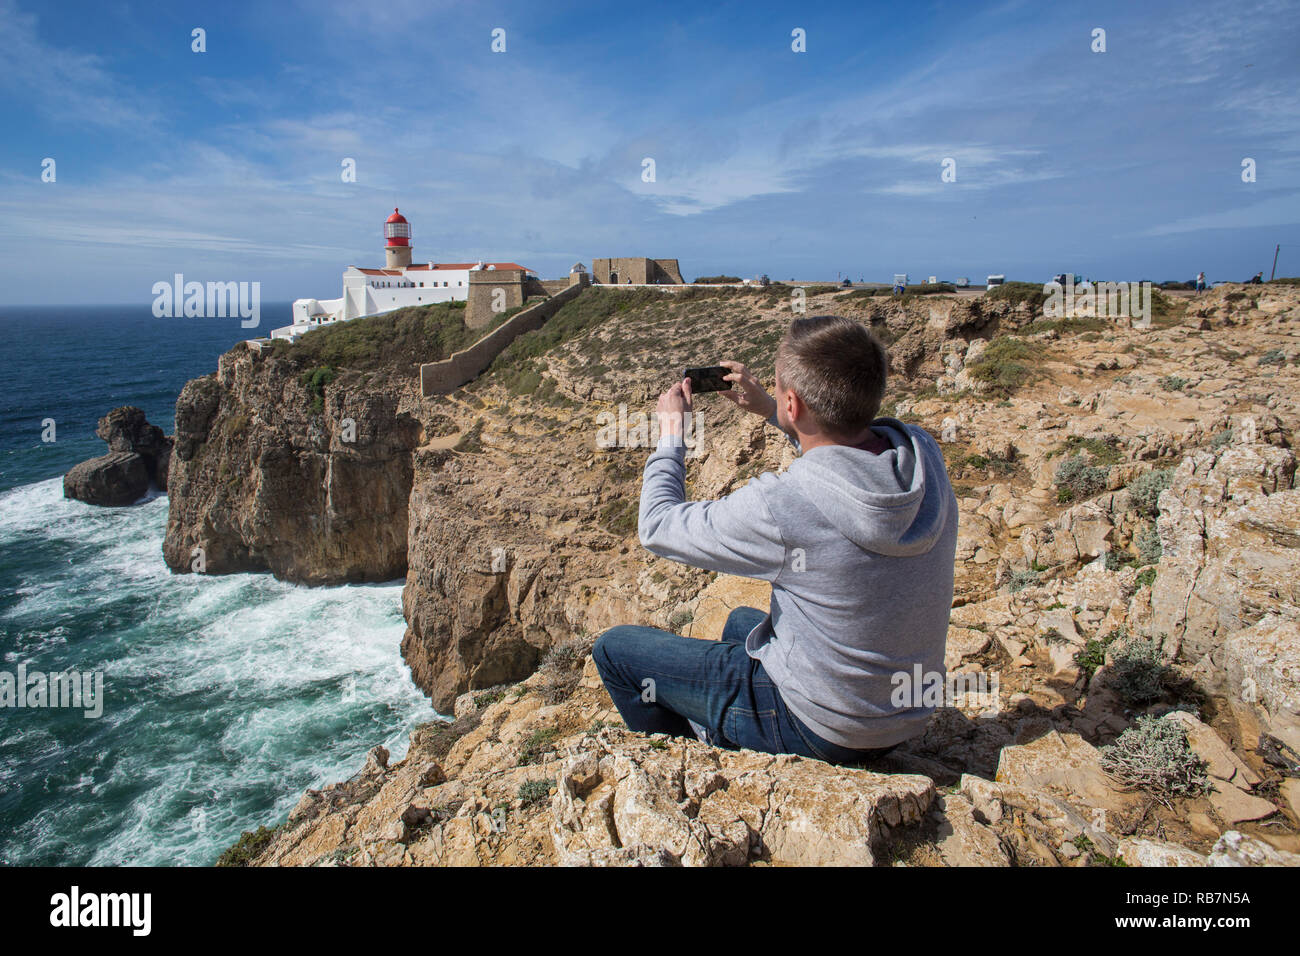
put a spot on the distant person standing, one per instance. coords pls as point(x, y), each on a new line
point(1257, 280)
point(1200, 282)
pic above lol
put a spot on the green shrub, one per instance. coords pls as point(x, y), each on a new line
point(1146, 577)
point(403, 337)
point(1092, 655)
point(1020, 580)
point(532, 792)
point(1102, 451)
point(1148, 545)
point(1173, 383)
point(315, 380)
point(1076, 477)
point(718, 280)
point(1154, 756)
point(1137, 671)
point(619, 517)
point(1070, 324)
point(1273, 357)
point(1144, 490)
point(1002, 366)
point(536, 745)
point(561, 669)
point(1019, 293)
point(251, 845)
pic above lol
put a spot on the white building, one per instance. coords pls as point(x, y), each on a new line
point(399, 285)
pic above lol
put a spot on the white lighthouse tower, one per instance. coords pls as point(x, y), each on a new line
point(397, 251)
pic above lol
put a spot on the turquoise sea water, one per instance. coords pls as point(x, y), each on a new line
point(224, 696)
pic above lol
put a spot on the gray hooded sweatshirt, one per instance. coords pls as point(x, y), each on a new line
point(859, 549)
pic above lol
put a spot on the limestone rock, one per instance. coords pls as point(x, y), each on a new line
point(1262, 663)
point(139, 455)
point(1237, 849)
point(118, 478)
point(1136, 851)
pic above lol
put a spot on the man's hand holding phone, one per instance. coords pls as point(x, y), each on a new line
point(673, 404)
point(750, 396)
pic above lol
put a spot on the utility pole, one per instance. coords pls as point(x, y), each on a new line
point(1276, 250)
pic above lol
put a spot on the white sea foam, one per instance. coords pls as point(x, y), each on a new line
point(226, 695)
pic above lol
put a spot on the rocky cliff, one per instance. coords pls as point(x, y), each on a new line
point(1126, 569)
point(269, 474)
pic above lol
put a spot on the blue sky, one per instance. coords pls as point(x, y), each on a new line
point(225, 165)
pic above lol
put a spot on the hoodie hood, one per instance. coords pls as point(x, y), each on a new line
point(894, 503)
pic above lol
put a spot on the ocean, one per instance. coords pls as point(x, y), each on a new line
point(224, 697)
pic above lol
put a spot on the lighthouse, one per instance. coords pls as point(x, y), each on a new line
point(397, 251)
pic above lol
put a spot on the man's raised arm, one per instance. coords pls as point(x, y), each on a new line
point(734, 535)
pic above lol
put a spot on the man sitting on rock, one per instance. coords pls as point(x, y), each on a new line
point(857, 538)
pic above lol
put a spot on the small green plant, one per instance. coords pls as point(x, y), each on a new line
point(1148, 545)
point(532, 792)
point(1093, 653)
point(1273, 357)
point(561, 669)
point(315, 380)
point(1154, 756)
point(536, 745)
point(1005, 365)
point(1119, 559)
point(1144, 490)
point(1173, 383)
point(1020, 580)
point(1019, 293)
point(1146, 577)
point(489, 697)
point(1077, 479)
point(1102, 451)
point(251, 845)
point(1221, 439)
point(1137, 671)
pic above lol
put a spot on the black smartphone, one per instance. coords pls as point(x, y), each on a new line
point(708, 379)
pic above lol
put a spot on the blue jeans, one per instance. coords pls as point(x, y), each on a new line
point(660, 682)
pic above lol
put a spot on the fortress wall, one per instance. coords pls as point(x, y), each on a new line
point(483, 285)
point(668, 270)
point(640, 270)
point(438, 378)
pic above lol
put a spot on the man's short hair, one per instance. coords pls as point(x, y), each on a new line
point(838, 368)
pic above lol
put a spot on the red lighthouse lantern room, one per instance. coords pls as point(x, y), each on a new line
point(397, 251)
point(397, 230)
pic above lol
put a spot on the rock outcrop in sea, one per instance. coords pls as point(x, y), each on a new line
point(1126, 570)
point(138, 458)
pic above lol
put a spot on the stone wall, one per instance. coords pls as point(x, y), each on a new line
point(437, 378)
point(639, 270)
point(483, 286)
